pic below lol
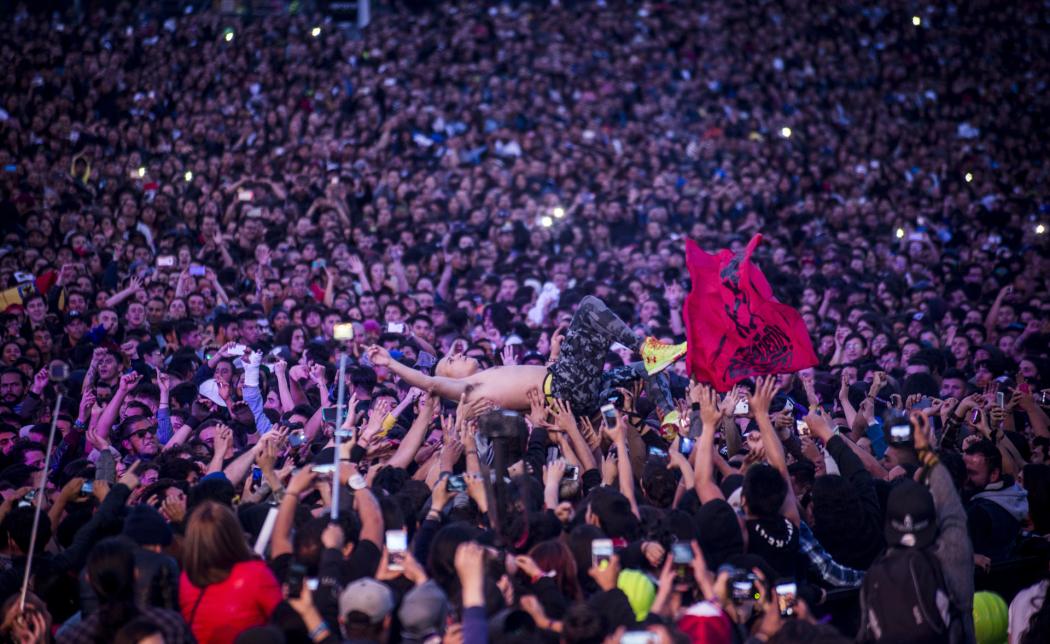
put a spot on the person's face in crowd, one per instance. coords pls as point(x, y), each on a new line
point(328, 325)
point(43, 341)
point(11, 388)
point(249, 331)
point(147, 478)
point(312, 320)
point(953, 388)
point(224, 371)
point(76, 301)
point(908, 351)
point(889, 361)
point(11, 353)
point(191, 339)
point(507, 288)
point(141, 438)
point(392, 313)
point(155, 311)
point(33, 459)
point(960, 348)
point(298, 341)
point(983, 376)
point(36, 310)
point(1028, 370)
point(107, 367)
point(978, 474)
point(854, 349)
point(422, 329)
point(7, 441)
point(154, 358)
point(457, 365)
point(280, 320)
point(196, 306)
point(177, 309)
point(369, 307)
point(207, 435)
point(76, 329)
point(107, 318)
point(649, 310)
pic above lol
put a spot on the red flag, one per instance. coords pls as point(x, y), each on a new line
point(736, 328)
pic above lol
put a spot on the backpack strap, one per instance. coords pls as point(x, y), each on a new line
point(196, 605)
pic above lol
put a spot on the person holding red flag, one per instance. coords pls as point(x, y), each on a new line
point(735, 327)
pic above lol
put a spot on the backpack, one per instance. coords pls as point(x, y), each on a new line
point(904, 599)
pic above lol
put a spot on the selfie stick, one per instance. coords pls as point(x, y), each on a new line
point(340, 416)
point(57, 377)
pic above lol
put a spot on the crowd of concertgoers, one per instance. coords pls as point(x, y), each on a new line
point(193, 205)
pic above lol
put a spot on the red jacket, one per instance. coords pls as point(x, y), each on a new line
point(244, 599)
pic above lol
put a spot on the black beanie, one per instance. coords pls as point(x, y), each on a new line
point(145, 526)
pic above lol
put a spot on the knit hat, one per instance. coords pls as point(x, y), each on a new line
point(911, 517)
point(145, 526)
point(989, 618)
point(719, 536)
point(705, 623)
point(640, 592)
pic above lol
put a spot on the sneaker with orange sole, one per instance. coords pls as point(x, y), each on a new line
point(657, 356)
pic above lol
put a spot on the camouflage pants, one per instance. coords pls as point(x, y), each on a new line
point(578, 375)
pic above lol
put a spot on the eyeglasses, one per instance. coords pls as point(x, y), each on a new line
point(142, 433)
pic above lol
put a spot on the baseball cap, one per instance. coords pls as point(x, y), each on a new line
point(423, 612)
point(911, 517)
point(368, 597)
point(210, 390)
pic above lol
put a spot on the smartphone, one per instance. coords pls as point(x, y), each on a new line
point(296, 577)
point(328, 414)
point(395, 327)
point(802, 428)
point(900, 434)
point(456, 483)
point(238, 350)
point(325, 469)
point(742, 408)
point(343, 331)
point(744, 588)
point(789, 406)
point(639, 637)
point(601, 553)
point(88, 488)
point(244, 195)
point(296, 438)
point(609, 415)
point(572, 473)
point(317, 264)
point(396, 544)
point(787, 590)
point(681, 553)
point(165, 261)
point(345, 434)
point(196, 270)
point(1000, 399)
point(976, 416)
point(256, 475)
point(685, 445)
point(657, 452)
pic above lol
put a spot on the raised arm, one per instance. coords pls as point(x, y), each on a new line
point(623, 462)
point(765, 389)
point(406, 451)
point(709, 416)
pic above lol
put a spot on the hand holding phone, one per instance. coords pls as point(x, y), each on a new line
point(396, 545)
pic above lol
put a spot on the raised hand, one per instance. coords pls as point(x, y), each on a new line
point(765, 389)
point(378, 356)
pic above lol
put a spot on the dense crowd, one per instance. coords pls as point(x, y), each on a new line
point(482, 209)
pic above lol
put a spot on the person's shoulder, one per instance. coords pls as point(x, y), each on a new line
point(252, 568)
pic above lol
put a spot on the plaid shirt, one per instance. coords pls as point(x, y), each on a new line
point(821, 562)
point(170, 623)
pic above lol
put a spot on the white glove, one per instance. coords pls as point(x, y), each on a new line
point(251, 369)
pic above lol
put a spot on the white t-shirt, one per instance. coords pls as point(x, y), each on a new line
point(1025, 604)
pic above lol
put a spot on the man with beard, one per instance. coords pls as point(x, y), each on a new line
point(138, 436)
point(996, 505)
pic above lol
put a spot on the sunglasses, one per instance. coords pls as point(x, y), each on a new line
point(142, 433)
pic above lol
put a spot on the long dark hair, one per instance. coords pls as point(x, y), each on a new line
point(111, 573)
point(1038, 630)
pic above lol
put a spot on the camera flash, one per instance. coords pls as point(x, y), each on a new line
point(968, 176)
point(785, 132)
point(141, 171)
point(188, 176)
point(546, 221)
point(900, 233)
point(315, 32)
point(558, 212)
point(1040, 229)
point(228, 35)
point(916, 20)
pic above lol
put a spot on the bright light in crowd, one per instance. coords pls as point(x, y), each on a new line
point(900, 233)
point(916, 20)
point(546, 221)
point(228, 35)
point(188, 176)
point(785, 132)
point(142, 172)
point(558, 212)
point(968, 176)
point(1040, 229)
point(315, 32)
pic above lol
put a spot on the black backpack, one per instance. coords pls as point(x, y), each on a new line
point(904, 599)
